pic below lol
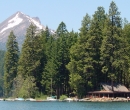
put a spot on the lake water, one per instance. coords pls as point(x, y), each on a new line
point(25, 105)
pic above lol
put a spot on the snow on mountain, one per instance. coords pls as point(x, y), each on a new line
point(18, 22)
point(13, 22)
point(35, 22)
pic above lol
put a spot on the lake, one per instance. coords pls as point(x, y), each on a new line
point(26, 105)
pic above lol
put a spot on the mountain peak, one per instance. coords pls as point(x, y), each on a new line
point(11, 23)
point(17, 19)
point(18, 23)
point(19, 12)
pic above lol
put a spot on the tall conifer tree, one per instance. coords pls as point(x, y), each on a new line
point(11, 63)
point(93, 45)
point(113, 46)
point(30, 62)
point(78, 57)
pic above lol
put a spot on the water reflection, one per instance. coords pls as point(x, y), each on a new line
point(26, 105)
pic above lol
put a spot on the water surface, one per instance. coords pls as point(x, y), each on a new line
point(26, 105)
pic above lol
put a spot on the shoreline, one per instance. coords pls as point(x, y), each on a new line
point(107, 99)
point(103, 99)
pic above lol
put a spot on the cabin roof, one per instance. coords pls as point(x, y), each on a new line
point(107, 89)
point(116, 87)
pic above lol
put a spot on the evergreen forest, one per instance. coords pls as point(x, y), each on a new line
point(68, 63)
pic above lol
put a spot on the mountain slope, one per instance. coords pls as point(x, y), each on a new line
point(19, 23)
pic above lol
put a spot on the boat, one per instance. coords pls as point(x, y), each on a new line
point(51, 99)
point(1, 99)
point(69, 99)
point(19, 99)
point(31, 99)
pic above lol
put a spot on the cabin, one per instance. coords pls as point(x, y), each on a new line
point(106, 90)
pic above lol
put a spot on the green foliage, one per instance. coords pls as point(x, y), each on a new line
point(77, 84)
point(57, 53)
point(68, 63)
point(30, 62)
point(25, 88)
point(2, 53)
point(63, 97)
point(10, 65)
point(30, 54)
point(80, 63)
point(28, 88)
point(47, 41)
point(1, 71)
point(114, 50)
point(18, 83)
point(41, 97)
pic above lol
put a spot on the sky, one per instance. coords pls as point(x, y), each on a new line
point(52, 12)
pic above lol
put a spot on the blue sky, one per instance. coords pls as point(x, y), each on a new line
point(52, 12)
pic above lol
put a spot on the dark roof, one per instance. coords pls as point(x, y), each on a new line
point(116, 87)
point(107, 92)
point(107, 88)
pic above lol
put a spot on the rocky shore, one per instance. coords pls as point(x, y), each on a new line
point(105, 99)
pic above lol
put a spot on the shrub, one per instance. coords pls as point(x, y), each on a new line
point(63, 97)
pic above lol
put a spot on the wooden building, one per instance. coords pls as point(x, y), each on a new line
point(106, 90)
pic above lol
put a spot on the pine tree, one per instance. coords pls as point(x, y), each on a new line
point(45, 41)
point(31, 58)
point(57, 51)
point(50, 68)
point(63, 46)
point(2, 53)
point(112, 46)
point(124, 74)
point(78, 58)
point(11, 63)
point(126, 29)
point(47, 71)
point(93, 45)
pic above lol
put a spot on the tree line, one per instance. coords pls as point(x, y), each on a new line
point(69, 63)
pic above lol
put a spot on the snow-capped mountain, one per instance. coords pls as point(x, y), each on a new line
point(19, 23)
